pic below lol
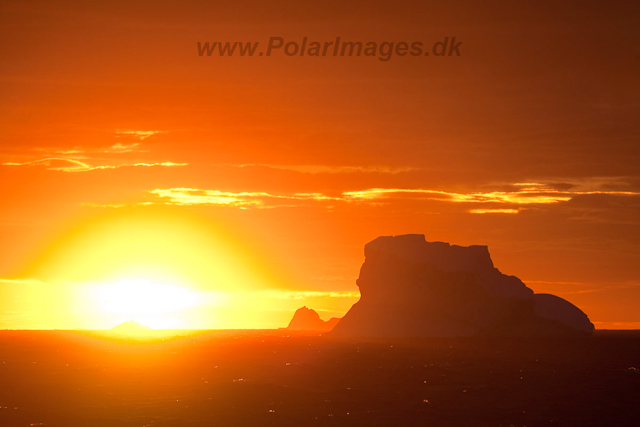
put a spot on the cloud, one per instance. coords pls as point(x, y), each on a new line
point(244, 199)
point(510, 201)
point(516, 197)
point(55, 163)
point(74, 165)
point(324, 169)
point(528, 193)
point(215, 295)
point(192, 196)
point(123, 148)
point(312, 196)
point(140, 134)
point(572, 288)
point(288, 294)
point(165, 164)
point(494, 211)
point(117, 148)
point(65, 152)
point(606, 183)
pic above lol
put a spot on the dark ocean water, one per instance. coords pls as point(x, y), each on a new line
point(254, 378)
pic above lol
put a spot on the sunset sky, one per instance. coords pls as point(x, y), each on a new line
point(141, 180)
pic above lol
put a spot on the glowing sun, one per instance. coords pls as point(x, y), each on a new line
point(145, 301)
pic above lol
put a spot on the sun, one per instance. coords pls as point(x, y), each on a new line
point(145, 301)
point(160, 268)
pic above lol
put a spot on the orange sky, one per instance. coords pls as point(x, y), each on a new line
point(256, 181)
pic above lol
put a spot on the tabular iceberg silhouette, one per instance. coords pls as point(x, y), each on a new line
point(410, 287)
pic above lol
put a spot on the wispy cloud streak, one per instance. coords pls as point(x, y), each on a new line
point(490, 202)
point(326, 169)
point(74, 165)
point(140, 134)
point(79, 152)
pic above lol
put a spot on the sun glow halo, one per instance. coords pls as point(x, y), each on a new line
point(140, 298)
point(160, 268)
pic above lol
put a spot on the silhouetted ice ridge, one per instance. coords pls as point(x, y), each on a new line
point(307, 319)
